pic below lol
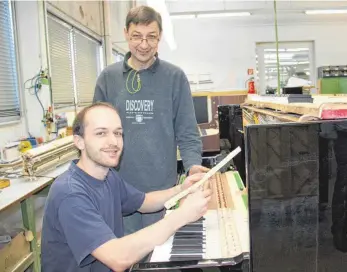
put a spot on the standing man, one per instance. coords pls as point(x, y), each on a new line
point(155, 104)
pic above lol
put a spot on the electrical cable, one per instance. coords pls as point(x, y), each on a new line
point(6, 174)
point(36, 91)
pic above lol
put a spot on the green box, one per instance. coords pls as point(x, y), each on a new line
point(337, 85)
point(343, 85)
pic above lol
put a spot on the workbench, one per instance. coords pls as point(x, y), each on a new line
point(262, 110)
point(21, 191)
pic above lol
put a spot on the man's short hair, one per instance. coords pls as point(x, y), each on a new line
point(78, 126)
point(143, 15)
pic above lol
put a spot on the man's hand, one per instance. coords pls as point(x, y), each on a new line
point(190, 180)
point(194, 206)
point(198, 169)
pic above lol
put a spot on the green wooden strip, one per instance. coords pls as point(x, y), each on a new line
point(238, 180)
point(245, 201)
point(28, 215)
point(241, 187)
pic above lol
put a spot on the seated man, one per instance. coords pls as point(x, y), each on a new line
point(82, 225)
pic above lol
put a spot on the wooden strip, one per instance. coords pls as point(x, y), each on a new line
point(213, 205)
point(281, 116)
point(220, 93)
point(227, 192)
point(314, 109)
point(172, 202)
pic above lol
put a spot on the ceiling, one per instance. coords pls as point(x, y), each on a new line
point(262, 10)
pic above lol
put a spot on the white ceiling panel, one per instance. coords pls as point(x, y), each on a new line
point(179, 6)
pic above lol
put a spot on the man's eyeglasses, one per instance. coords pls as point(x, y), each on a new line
point(152, 40)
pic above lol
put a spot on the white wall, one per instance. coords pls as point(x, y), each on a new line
point(30, 53)
point(9, 132)
point(227, 49)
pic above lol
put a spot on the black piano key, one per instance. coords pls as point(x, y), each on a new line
point(191, 229)
point(201, 230)
point(189, 233)
point(186, 248)
point(174, 258)
point(192, 243)
point(185, 252)
point(191, 237)
point(195, 224)
point(189, 240)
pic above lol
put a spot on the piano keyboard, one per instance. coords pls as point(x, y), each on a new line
point(222, 233)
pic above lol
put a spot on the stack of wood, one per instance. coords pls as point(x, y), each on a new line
point(322, 107)
point(48, 156)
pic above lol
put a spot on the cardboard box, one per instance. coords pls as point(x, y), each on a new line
point(14, 252)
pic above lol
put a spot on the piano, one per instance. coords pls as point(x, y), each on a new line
point(297, 180)
point(219, 239)
point(296, 177)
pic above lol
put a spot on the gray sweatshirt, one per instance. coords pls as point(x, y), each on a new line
point(155, 120)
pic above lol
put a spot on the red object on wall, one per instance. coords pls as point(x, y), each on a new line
point(251, 89)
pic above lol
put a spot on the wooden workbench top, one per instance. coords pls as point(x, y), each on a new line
point(22, 188)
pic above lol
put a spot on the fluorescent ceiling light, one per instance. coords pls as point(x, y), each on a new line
point(223, 14)
point(160, 6)
point(183, 16)
point(280, 55)
point(286, 50)
point(327, 11)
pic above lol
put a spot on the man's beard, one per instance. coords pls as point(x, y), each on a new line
point(97, 159)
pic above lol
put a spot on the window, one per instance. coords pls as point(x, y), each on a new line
point(87, 67)
point(296, 65)
point(9, 91)
point(60, 53)
point(75, 63)
point(117, 57)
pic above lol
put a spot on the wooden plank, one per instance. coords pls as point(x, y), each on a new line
point(298, 108)
point(282, 116)
point(219, 93)
point(322, 107)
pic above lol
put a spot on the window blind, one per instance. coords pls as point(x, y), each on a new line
point(9, 91)
point(87, 67)
point(60, 52)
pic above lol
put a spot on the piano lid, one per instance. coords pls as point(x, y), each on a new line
point(297, 179)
